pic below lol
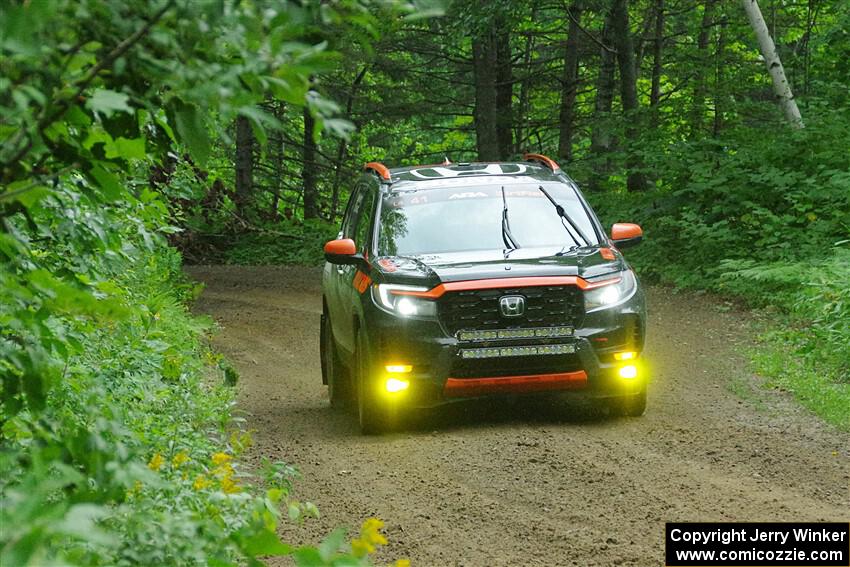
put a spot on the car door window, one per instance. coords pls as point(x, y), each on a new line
point(360, 222)
point(364, 221)
point(352, 212)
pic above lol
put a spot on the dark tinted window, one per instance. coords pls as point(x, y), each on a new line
point(470, 218)
point(361, 212)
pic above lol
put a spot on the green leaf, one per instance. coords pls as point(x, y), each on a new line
point(264, 542)
point(308, 557)
point(81, 522)
point(25, 192)
point(97, 135)
point(107, 102)
point(126, 148)
point(193, 132)
point(108, 183)
point(331, 545)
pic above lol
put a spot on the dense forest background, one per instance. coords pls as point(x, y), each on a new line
point(143, 133)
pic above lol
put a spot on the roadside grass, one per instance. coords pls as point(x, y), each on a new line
point(818, 387)
point(747, 391)
point(284, 243)
point(134, 455)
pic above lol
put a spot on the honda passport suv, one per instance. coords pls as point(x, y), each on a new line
point(457, 281)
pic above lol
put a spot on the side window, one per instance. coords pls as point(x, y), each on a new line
point(363, 221)
point(352, 211)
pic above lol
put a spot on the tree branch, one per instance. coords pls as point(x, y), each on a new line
point(62, 105)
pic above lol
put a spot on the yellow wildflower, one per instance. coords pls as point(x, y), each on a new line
point(156, 462)
point(229, 486)
point(361, 548)
point(223, 469)
point(370, 532)
point(402, 563)
point(179, 459)
point(137, 487)
point(201, 482)
point(220, 458)
point(370, 536)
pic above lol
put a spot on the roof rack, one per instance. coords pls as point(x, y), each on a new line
point(445, 162)
point(543, 160)
point(378, 169)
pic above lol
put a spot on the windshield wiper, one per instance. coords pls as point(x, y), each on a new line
point(565, 217)
point(507, 237)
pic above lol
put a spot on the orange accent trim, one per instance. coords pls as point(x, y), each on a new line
point(496, 283)
point(625, 230)
point(547, 161)
point(361, 282)
point(607, 254)
point(461, 387)
point(341, 247)
point(378, 168)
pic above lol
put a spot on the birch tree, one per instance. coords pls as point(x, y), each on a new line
point(781, 86)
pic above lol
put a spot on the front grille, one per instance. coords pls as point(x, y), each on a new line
point(514, 366)
point(545, 306)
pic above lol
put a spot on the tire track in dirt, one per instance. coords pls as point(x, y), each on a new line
point(515, 484)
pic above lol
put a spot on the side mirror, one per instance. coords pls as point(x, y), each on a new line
point(625, 234)
point(342, 251)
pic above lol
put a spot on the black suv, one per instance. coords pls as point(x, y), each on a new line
point(457, 281)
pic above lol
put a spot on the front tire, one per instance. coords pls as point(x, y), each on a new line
point(333, 374)
point(633, 405)
point(372, 415)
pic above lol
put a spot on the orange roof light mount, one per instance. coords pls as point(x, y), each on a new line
point(543, 160)
point(379, 169)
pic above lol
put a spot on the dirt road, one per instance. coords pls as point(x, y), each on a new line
point(516, 485)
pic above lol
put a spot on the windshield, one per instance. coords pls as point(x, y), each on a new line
point(457, 219)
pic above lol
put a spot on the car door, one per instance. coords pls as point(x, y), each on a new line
point(335, 276)
point(356, 227)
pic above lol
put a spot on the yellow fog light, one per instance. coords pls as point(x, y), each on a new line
point(399, 368)
point(628, 372)
point(396, 385)
point(625, 356)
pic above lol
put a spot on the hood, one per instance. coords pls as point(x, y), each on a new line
point(432, 269)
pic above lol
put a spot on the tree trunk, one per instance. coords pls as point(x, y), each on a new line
point(342, 148)
point(781, 87)
point(700, 89)
point(504, 89)
point(279, 143)
point(657, 50)
point(601, 135)
point(640, 40)
point(486, 112)
point(522, 128)
point(308, 171)
point(718, 79)
point(628, 89)
point(569, 85)
point(244, 162)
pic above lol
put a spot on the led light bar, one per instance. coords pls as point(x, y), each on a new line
point(497, 352)
point(506, 334)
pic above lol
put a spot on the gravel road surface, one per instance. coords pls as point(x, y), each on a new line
point(519, 484)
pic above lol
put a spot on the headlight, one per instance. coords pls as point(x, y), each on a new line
point(612, 294)
point(403, 305)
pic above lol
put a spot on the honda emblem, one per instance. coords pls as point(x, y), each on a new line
point(512, 305)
